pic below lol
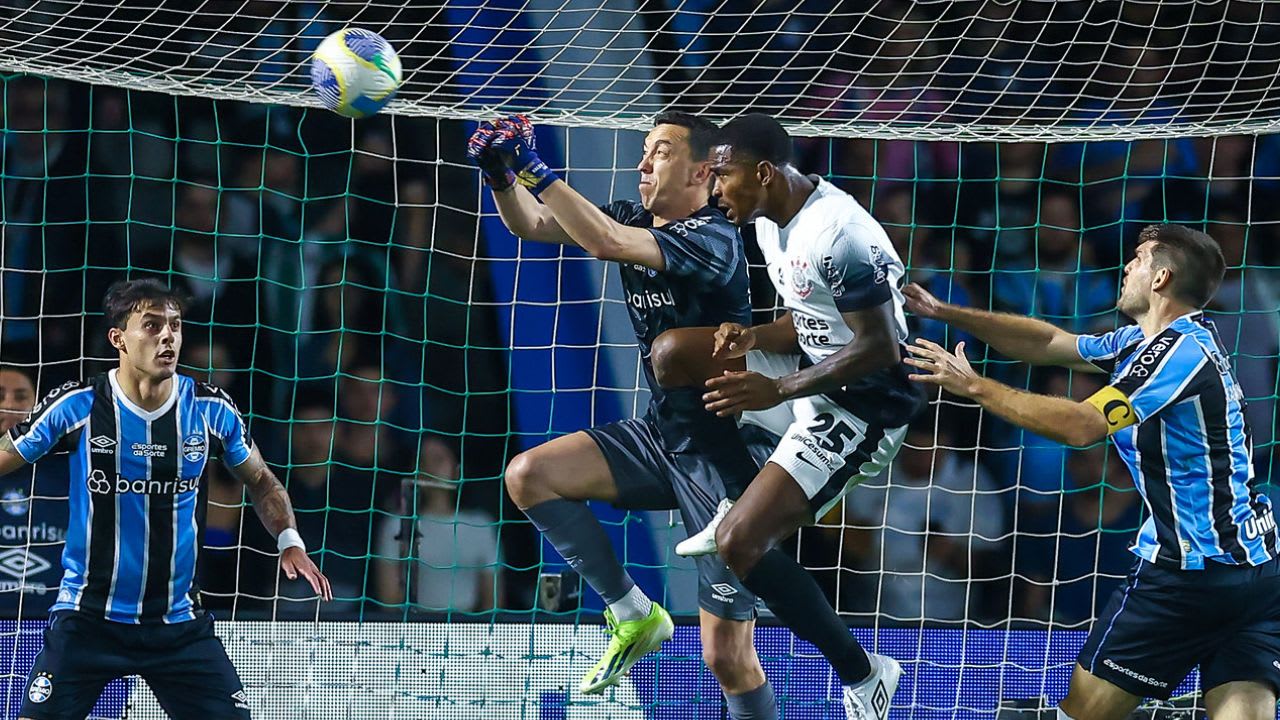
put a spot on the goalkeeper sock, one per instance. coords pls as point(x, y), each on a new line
point(578, 536)
point(795, 597)
point(635, 605)
point(1063, 716)
point(757, 704)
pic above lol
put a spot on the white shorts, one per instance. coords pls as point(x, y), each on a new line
point(825, 447)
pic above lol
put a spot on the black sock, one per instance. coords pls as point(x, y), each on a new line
point(797, 600)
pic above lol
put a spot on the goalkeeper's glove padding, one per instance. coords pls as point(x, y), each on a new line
point(492, 168)
point(515, 145)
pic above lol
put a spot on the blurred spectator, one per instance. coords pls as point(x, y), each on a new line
point(33, 513)
point(997, 204)
point(334, 505)
point(367, 438)
point(1041, 468)
point(453, 562)
point(943, 519)
point(1060, 281)
point(220, 287)
point(347, 320)
point(1244, 313)
point(17, 396)
point(1075, 563)
point(211, 362)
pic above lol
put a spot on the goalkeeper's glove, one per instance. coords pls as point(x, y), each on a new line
point(495, 173)
point(514, 144)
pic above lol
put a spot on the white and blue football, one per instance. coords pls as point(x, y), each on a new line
point(355, 72)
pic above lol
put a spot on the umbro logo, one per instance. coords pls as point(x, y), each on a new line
point(21, 564)
point(102, 444)
point(880, 700)
point(723, 592)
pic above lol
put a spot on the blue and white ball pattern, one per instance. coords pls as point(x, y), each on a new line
point(355, 72)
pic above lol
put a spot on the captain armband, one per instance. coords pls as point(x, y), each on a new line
point(1115, 407)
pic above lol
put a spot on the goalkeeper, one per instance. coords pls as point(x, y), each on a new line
point(1203, 590)
point(682, 264)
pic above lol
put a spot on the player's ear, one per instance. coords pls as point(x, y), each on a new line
point(1161, 279)
point(765, 172)
point(701, 173)
point(115, 336)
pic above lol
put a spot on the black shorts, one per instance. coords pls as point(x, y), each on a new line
point(1163, 622)
point(184, 663)
point(648, 477)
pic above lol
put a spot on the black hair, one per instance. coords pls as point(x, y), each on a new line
point(124, 297)
point(702, 132)
point(1194, 258)
point(759, 137)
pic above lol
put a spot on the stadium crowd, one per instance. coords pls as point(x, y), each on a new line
point(342, 298)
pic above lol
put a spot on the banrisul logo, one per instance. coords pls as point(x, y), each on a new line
point(193, 448)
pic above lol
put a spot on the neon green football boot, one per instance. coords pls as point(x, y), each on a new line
point(631, 641)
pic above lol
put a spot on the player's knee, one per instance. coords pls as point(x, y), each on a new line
point(736, 547)
point(526, 481)
point(731, 657)
point(733, 668)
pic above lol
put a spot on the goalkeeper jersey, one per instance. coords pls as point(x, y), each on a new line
point(136, 508)
point(704, 284)
point(1177, 417)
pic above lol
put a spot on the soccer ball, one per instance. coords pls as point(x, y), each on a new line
point(355, 72)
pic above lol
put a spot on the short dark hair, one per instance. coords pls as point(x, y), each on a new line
point(758, 136)
point(702, 132)
point(124, 297)
point(1194, 258)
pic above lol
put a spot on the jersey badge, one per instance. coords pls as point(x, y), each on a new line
point(801, 284)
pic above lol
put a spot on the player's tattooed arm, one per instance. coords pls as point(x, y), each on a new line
point(10, 459)
point(270, 499)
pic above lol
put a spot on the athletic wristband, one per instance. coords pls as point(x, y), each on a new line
point(290, 538)
point(536, 176)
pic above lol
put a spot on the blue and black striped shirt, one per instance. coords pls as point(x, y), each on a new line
point(1186, 444)
point(136, 510)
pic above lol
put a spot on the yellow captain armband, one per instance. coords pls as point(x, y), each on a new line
point(1115, 407)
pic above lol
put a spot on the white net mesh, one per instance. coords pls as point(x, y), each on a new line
point(965, 70)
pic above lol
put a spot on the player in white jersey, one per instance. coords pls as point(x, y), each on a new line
point(827, 376)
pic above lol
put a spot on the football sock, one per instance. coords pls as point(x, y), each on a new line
point(574, 531)
point(797, 600)
point(635, 605)
point(755, 704)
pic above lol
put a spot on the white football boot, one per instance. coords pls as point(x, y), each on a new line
point(703, 542)
point(870, 699)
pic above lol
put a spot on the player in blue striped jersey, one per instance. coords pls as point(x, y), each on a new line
point(138, 439)
point(1204, 588)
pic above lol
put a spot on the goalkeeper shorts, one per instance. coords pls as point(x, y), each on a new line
point(184, 663)
point(827, 446)
point(1164, 621)
point(649, 477)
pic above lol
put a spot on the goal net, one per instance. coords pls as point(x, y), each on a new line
point(393, 345)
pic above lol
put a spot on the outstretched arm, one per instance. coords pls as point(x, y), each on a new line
point(271, 503)
point(1061, 419)
point(10, 460)
point(1021, 338)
